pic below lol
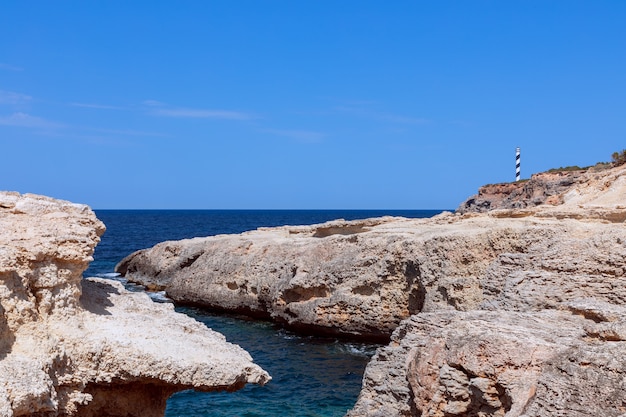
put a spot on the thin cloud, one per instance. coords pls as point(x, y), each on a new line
point(153, 103)
point(13, 98)
point(26, 120)
point(9, 67)
point(97, 106)
point(388, 117)
point(203, 114)
point(99, 140)
point(351, 102)
point(462, 123)
point(394, 118)
point(305, 136)
point(129, 132)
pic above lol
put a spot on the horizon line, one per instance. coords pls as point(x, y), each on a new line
point(272, 209)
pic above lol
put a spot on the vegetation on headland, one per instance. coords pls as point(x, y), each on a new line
point(617, 159)
point(600, 166)
point(567, 168)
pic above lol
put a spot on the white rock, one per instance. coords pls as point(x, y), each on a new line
point(89, 347)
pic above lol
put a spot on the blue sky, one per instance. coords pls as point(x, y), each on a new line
point(303, 104)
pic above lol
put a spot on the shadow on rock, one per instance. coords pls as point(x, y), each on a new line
point(96, 295)
point(7, 338)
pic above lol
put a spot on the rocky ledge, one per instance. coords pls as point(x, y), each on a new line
point(516, 311)
point(362, 278)
point(542, 188)
point(566, 362)
point(74, 347)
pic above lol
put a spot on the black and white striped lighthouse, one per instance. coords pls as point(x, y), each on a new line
point(517, 164)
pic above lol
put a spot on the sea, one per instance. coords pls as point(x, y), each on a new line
point(312, 376)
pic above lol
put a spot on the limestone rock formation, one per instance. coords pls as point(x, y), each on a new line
point(484, 363)
point(541, 188)
point(74, 347)
point(516, 311)
point(340, 282)
point(363, 277)
point(555, 342)
point(548, 188)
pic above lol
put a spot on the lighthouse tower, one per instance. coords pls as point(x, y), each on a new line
point(517, 164)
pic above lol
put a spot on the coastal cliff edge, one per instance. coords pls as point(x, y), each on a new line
point(510, 308)
point(87, 347)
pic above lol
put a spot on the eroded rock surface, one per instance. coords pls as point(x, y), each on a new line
point(343, 282)
point(363, 277)
point(516, 311)
point(480, 363)
point(541, 188)
point(89, 347)
point(554, 342)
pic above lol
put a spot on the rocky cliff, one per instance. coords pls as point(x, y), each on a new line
point(74, 347)
point(566, 362)
point(542, 188)
point(546, 264)
point(549, 341)
point(363, 277)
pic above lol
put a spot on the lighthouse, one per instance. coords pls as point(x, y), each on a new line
point(517, 164)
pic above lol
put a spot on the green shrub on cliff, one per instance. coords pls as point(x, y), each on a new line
point(567, 168)
point(619, 158)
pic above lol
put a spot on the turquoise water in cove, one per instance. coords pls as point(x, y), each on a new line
point(316, 377)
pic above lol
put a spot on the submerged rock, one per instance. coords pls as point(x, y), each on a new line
point(89, 347)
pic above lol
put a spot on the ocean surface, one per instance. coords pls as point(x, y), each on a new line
point(316, 377)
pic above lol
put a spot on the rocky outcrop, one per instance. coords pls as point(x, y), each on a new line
point(89, 347)
point(554, 339)
point(366, 283)
point(515, 311)
point(541, 188)
point(346, 281)
point(480, 363)
point(362, 278)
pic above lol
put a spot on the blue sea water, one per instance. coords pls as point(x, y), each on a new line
point(316, 377)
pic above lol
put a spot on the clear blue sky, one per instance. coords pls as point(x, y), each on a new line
point(303, 104)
